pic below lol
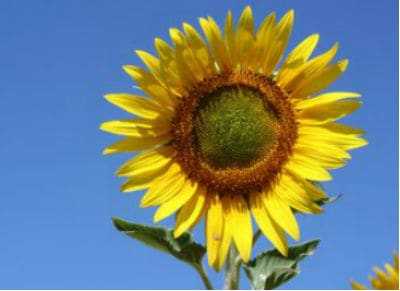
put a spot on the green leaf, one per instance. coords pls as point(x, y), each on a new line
point(329, 200)
point(323, 202)
point(270, 269)
point(183, 248)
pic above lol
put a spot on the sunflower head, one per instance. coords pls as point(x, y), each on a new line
point(226, 134)
point(234, 131)
point(387, 279)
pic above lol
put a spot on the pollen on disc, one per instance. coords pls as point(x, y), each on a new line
point(234, 127)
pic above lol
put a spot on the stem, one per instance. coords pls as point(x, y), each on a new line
point(203, 275)
point(232, 273)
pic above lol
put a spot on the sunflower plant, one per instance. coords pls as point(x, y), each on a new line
point(227, 135)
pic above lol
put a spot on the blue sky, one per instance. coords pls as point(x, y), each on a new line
point(58, 192)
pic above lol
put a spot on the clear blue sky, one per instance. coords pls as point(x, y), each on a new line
point(57, 59)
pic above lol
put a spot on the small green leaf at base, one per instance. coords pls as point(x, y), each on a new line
point(183, 248)
point(270, 269)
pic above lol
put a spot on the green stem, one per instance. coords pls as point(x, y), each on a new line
point(232, 273)
point(203, 275)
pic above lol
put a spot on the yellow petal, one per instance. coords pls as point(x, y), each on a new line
point(164, 50)
point(239, 220)
point(320, 80)
point(318, 156)
point(186, 64)
point(302, 52)
point(396, 261)
point(307, 169)
point(357, 286)
point(244, 37)
point(382, 281)
point(162, 74)
point(327, 98)
point(190, 212)
point(297, 58)
point(322, 148)
point(268, 227)
point(214, 229)
point(263, 44)
point(189, 69)
point(141, 178)
point(199, 49)
point(164, 187)
point(343, 129)
point(168, 67)
point(282, 33)
point(229, 38)
point(147, 162)
point(163, 193)
point(330, 135)
point(329, 112)
point(315, 192)
point(226, 237)
point(391, 271)
point(245, 23)
point(169, 207)
point(137, 105)
point(290, 189)
point(300, 74)
point(131, 144)
point(132, 184)
point(149, 60)
point(151, 86)
point(281, 214)
point(215, 40)
point(136, 128)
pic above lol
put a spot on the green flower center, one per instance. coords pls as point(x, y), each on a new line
point(234, 127)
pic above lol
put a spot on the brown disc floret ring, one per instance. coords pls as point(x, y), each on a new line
point(247, 177)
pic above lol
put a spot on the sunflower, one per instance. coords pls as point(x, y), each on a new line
point(227, 136)
point(388, 280)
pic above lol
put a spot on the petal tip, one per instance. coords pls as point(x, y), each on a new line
point(177, 233)
point(247, 10)
point(103, 126)
point(290, 14)
point(335, 46)
point(284, 251)
point(106, 151)
point(296, 234)
point(315, 37)
point(138, 52)
point(129, 69)
point(343, 64)
point(158, 217)
point(110, 97)
point(144, 204)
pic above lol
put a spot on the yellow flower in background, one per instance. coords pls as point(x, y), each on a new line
point(388, 280)
point(226, 135)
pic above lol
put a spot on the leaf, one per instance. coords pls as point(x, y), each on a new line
point(270, 269)
point(329, 200)
point(323, 201)
point(279, 277)
point(183, 248)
